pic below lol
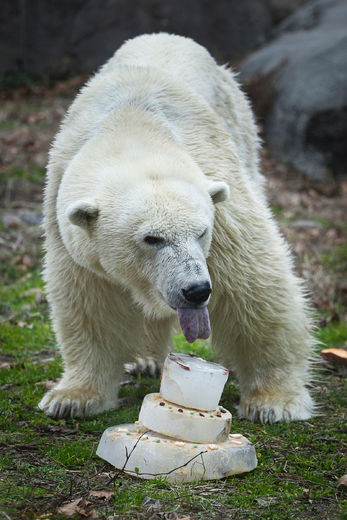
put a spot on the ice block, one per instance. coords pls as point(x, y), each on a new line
point(190, 381)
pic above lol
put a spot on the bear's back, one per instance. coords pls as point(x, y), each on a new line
point(191, 65)
point(183, 59)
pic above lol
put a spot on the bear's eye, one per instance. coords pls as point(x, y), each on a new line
point(202, 234)
point(153, 241)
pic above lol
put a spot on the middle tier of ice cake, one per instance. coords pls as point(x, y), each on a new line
point(187, 424)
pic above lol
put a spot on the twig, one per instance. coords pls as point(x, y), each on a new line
point(203, 465)
point(127, 457)
point(172, 470)
point(133, 448)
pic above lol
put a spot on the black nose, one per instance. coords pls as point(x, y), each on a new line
point(197, 293)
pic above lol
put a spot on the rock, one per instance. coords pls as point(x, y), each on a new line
point(303, 73)
point(305, 224)
point(76, 37)
point(31, 217)
point(152, 504)
point(10, 221)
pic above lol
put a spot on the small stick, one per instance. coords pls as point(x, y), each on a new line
point(127, 457)
point(174, 469)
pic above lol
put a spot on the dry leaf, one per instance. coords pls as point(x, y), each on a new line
point(77, 506)
point(5, 365)
point(38, 293)
point(27, 261)
point(23, 324)
point(342, 482)
point(152, 504)
point(48, 384)
point(336, 356)
point(71, 508)
point(101, 494)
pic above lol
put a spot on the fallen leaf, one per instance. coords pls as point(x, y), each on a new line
point(47, 384)
point(21, 324)
point(151, 504)
point(71, 508)
point(34, 118)
point(265, 501)
point(261, 430)
point(77, 506)
point(103, 493)
point(342, 482)
point(27, 261)
point(26, 277)
point(5, 365)
point(336, 356)
point(38, 293)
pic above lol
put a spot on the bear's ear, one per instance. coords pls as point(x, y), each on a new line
point(82, 213)
point(219, 191)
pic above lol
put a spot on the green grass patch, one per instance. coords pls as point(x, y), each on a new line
point(45, 463)
point(336, 258)
point(277, 210)
point(201, 348)
point(7, 124)
point(31, 173)
point(334, 334)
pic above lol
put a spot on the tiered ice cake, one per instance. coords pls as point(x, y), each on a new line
point(181, 433)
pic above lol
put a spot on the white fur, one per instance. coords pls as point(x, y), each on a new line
point(151, 143)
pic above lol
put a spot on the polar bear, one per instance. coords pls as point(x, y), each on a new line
point(155, 209)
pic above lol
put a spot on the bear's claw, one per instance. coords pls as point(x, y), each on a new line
point(263, 411)
point(64, 403)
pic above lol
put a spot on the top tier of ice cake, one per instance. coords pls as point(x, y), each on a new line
point(190, 381)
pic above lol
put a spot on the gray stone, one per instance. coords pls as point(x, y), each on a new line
point(74, 36)
point(31, 217)
point(10, 221)
point(304, 72)
point(305, 224)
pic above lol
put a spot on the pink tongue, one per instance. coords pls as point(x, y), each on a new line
point(195, 323)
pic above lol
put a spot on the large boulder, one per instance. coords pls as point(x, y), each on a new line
point(299, 86)
point(74, 36)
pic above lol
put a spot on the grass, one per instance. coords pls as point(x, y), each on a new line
point(46, 463)
point(30, 173)
point(336, 258)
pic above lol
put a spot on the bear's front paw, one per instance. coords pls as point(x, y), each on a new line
point(73, 402)
point(276, 407)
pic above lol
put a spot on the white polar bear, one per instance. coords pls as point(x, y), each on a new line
point(133, 237)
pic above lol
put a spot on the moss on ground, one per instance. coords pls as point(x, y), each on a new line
point(46, 463)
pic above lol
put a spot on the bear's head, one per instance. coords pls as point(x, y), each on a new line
point(150, 233)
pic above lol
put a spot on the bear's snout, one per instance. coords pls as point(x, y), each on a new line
point(197, 294)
